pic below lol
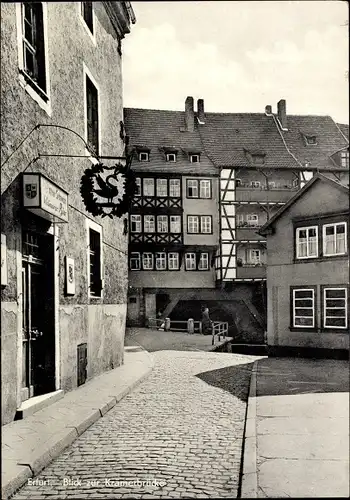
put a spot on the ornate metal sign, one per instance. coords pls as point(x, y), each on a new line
point(106, 191)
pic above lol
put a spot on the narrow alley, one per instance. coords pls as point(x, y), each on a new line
point(178, 435)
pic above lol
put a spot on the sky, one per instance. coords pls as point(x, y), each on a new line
point(239, 56)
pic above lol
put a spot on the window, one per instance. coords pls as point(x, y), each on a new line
point(253, 220)
point(203, 264)
point(240, 219)
point(148, 187)
point(92, 124)
point(335, 311)
point(175, 223)
point(171, 157)
point(162, 187)
point(194, 158)
point(87, 14)
point(310, 140)
point(147, 261)
point(255, 184)
point(135, 223)
point(190, 261)
point(143, 156)
point(138, 186)
point(206, 224)
point(160, 261)
point(192, 224)
point(33, 64)
point(334, 239)
point(238, 182)
point(306, 242)
point(344, 159)
point(255, 256)
point(303, 308)
point(162, 223)
point(135, 264)
point(271, 184)
point(192, 188)
point(305, 177)
point(95, 263)
point(174, 188)
point(149, 225)
point(205, 188)
point(173, 261)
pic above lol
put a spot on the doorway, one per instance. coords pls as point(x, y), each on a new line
point(38, 339)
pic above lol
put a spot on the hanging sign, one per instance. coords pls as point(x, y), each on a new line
point(106, 191)
point(44, 198)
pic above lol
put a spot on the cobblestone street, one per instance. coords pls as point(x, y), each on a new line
point(178, 435)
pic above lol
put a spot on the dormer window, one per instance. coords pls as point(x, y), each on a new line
point(171, 157)
point(143, 156)
point(194, 158)
point(344, 159)
point(310, 140)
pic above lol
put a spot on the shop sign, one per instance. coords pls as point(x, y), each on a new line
point(44, 198)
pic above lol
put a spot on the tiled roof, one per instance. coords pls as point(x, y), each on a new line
point(226, 139)
point(344, 129)
point(160, 130)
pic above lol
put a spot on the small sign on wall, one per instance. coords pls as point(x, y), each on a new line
point(3, 260)
point(70, 276)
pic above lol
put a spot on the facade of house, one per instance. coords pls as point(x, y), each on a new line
point(258, 162)
point(63, 271)
point(308, 270)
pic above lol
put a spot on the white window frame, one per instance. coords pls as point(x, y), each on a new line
point(148, 185)
point(87, 73)
point(205, 187)
point(92, 35)
point(255, 184)
point(190, 261)
point(143, 156)
point(177, 223)
point(149, 222)
point(147, 261)
point(193, 156)
point(203, 264)
point(253, 220)
point(30, 89)
point(89, 224)
point(335, 225)
point(161, 258)
point(160, 220)
point(297, 242)
point(133, 259)
point(193, 184)
point(174, 186)
point(253, 253)
point(271, 184)
point(204, 224)
point(193, 220)
point(344, 159)
point(171, 157)
point(160, 184)
point(304, 298)
point(136, 218)
point(173, 261)
point(325, 308)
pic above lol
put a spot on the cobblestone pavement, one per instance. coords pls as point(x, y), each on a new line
point(180, 432)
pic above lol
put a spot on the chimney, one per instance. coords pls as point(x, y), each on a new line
point(282, 113)
point(268, 110)
point(200, 111)
point(189, 114)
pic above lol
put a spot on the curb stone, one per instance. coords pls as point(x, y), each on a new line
point(27, 469)
point(249, 486)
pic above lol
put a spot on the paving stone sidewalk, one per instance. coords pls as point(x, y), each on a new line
point(177, 435)
point(29, 445)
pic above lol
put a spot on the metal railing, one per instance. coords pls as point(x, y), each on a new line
point(220, 329)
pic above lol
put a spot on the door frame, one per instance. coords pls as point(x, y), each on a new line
point(54, 231)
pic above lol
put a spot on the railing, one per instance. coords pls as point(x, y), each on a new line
point(220, 329)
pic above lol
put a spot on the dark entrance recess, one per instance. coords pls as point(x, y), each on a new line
point(38, 369)
point(82, 363)
point(162, 300)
